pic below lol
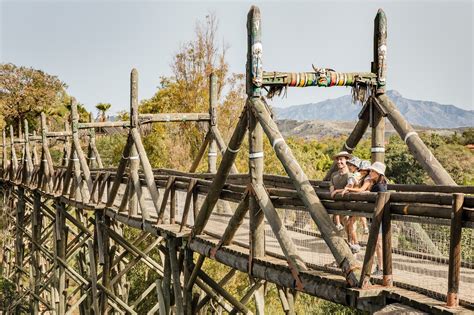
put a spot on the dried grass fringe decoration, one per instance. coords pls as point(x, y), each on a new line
point(361, 92)
point(277, 90)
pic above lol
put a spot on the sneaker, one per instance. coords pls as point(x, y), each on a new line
point(340, 227)
point(355, 248)
point(366, 230)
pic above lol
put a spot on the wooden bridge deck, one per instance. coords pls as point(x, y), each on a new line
point(412, 276)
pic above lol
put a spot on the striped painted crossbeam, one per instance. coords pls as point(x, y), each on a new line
point(322, 78)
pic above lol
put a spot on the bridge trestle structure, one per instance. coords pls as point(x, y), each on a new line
point(67, 246)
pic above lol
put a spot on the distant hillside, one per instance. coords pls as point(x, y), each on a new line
point(311, 129)
point(421, 113)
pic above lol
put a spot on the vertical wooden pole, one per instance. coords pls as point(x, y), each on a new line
point(178, 296)
point(13, 158)
point(379, 65)
point(61, 243)
point(212, 153)
point(380, 205)
point(4, 153)
point(377, 121)
point(454, 270)
point(256, 164)
point(35, 255)
point(134, 123)
point(188, 292)
point(134, 166)
point(77, 145)
point(387, 246)
point(28, 163)
point(19, 248)
point(105, 220)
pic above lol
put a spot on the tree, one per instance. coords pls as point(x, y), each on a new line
point(103, 108)
point(187, 90)
point(26, 92)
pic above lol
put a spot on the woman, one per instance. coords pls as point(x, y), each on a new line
point(379, 184)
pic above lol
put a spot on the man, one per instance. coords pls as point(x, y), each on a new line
point(339, 180)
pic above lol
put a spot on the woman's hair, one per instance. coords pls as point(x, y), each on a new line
point(382, 179)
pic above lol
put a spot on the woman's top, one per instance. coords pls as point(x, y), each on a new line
point(379, 186)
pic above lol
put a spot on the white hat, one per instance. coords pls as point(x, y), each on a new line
point(378, 167)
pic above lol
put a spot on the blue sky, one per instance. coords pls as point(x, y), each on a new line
point(93, 45)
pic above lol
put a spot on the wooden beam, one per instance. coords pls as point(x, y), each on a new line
point(380, 205)
point(454, 270)
point(336, 243)
point(223, 171)
point(419, 150)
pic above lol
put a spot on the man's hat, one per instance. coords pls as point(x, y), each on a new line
point(345, 154)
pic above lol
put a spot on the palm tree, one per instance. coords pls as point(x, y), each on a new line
point(103, 108)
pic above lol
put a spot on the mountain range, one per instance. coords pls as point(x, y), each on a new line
point(420, 113)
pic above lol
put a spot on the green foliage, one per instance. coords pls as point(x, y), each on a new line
point(8, 293)
point(26, 92)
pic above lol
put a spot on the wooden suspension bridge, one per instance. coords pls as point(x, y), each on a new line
point(65, 250)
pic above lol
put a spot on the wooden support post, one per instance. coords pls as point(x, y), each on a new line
point(187, 293)
point(35, 255)
point(336, 243)
point(377, 122)
point(229, 297)
point(13, 158)
point(66, 147)
point(105, 222)
point(93, 277)
point(134, 166)
point(221, 175)
point(295, 262)
point(380, 204)
point(454, 270)
point(19, 244)
point(228, 276)
point(379, 65)
point(234, 223)
point(145, 163)
point(200, 153)
point(167, 282)
point(4, 154)
point(178, 295)
point(419, 150)
point(222, 146)
point(61, 243)
point(212, 152)
point(77, 145)
point(387, 246)
point(46, 158)
point(27, 162)
point(256, 164)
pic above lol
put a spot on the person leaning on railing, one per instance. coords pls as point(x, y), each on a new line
point(339, 180)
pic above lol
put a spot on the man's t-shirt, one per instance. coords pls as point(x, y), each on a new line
point(339, 181)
